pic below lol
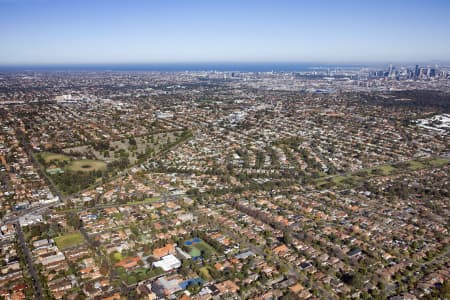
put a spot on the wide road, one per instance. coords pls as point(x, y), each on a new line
point(29, 261)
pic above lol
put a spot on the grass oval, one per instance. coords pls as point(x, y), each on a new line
point(87, 165)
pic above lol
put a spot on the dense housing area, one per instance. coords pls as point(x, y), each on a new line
point(224, 185)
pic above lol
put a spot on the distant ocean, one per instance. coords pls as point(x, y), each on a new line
point(180, 67)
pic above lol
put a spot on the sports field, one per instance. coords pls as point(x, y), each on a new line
point(69, 240)
point(86, 165)
point(197, 246)
point(49, 157)
point(354, 178)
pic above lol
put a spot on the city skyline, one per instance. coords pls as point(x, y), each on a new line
point(39, 32)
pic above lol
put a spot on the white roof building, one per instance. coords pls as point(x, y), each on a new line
point(168, 263)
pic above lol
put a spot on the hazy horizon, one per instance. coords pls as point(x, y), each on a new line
point(209, 66)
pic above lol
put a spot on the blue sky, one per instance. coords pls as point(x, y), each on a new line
point(164, 31)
